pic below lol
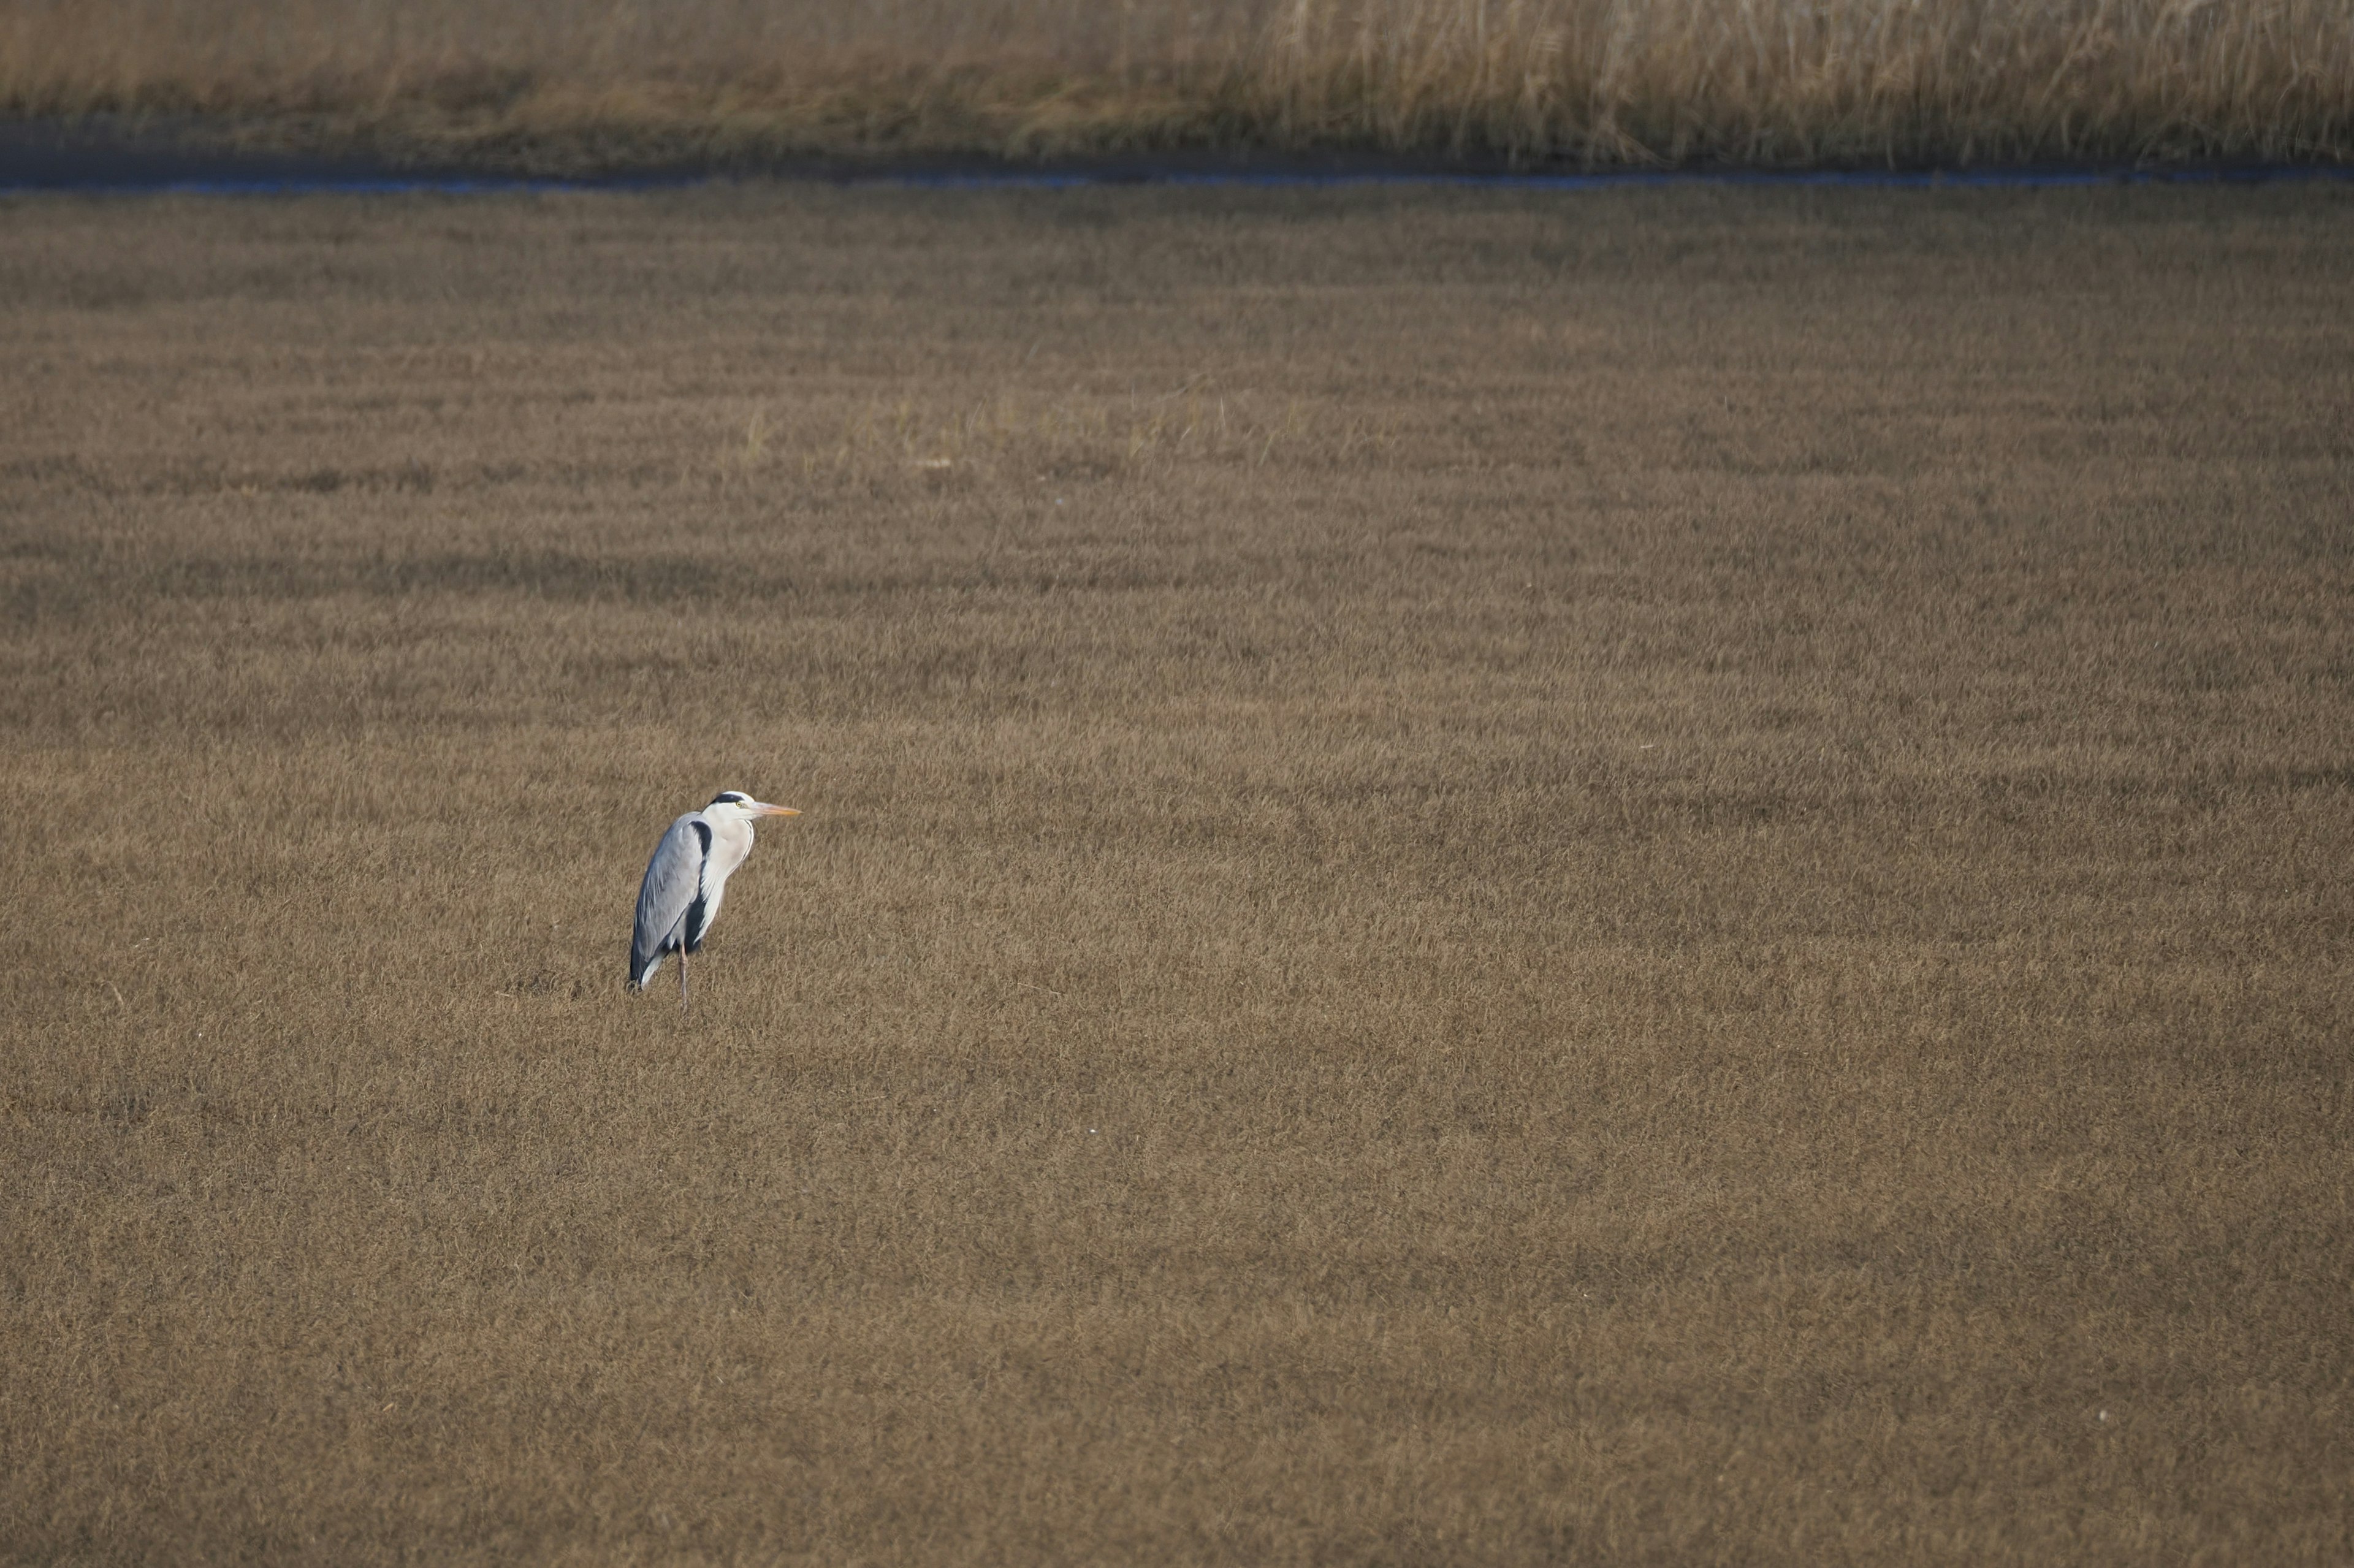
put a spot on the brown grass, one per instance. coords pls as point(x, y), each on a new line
point(1650, 879)
point(564, 85)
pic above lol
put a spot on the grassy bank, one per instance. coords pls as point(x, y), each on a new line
point(563, 84)
point(1651, 881)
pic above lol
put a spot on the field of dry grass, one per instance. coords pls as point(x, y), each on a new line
point(1651, 878)
point(564, 85)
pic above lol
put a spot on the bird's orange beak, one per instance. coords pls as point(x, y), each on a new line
point(777, 812)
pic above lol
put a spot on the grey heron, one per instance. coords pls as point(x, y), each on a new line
point(687, 879)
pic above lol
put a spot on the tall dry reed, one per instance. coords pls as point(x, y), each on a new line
point(1762, 82)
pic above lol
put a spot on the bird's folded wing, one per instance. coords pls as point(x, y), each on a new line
point(673, 880)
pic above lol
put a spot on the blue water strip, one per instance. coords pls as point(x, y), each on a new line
point(55, 157)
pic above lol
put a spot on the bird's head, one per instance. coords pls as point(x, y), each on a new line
point(743, 807)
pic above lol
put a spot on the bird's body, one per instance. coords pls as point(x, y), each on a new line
point(687, 878)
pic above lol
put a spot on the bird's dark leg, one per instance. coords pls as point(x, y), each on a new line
point(682, 982)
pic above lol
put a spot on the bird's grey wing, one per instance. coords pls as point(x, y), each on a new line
point(673, 884)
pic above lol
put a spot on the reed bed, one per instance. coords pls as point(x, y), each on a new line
point(562, 84)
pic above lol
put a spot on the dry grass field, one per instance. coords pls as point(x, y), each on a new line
point(1655, 877)
point(574, 85)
